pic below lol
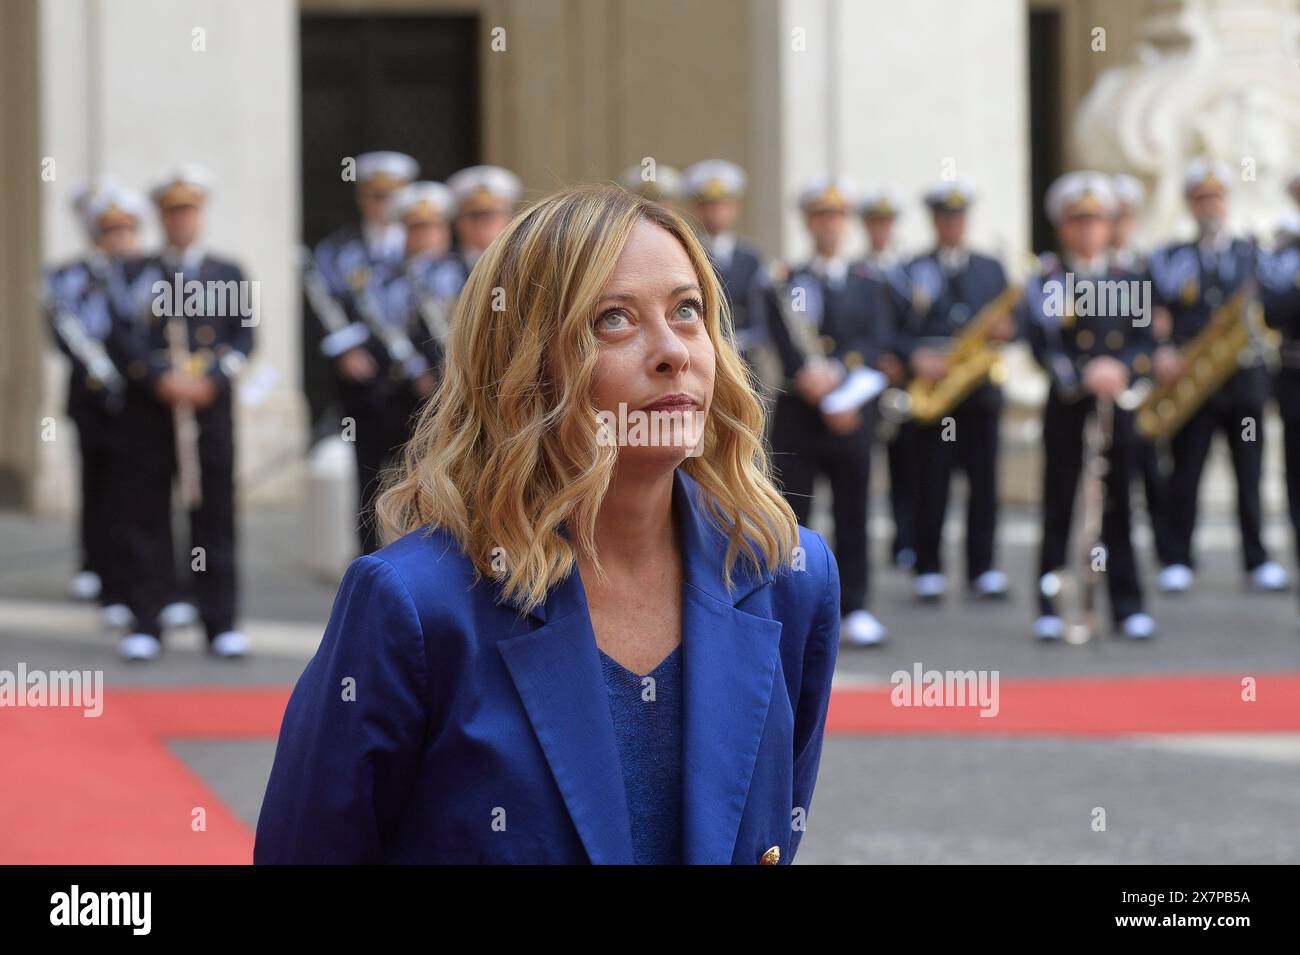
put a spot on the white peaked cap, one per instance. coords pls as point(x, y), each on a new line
point(187, 183)
point(829, 192)
point(952, 194)
point(484, 184)
point(667, 184)
point(1201, 170)
point(86, 192)
point(880, 199)
point(428, 198)
point(386, 168)
point(1081, 191)
point(715, 179)
point(119, 200)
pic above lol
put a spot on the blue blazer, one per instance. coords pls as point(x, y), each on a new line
point(437, 725)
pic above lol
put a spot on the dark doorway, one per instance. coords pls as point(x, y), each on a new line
point(408, 83)
point(1044, 117)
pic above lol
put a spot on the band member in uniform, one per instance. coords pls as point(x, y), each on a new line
point(355, 256)
point(827, 321)
point(662, 184)
point(879, 209)
point(351, 265)
point(382, 406)
point(1191, 280)
point(484, 198)
point(420, 290)
point(404, 348)
point(1155, 461)
point(1088, 354)
point(1279, 287)
point(715, 188)
point(181, 345)
point(949, 285)
point(79, 299)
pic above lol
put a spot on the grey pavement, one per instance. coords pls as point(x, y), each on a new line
point(880, 798)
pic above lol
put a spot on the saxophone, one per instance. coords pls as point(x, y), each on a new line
point(1211, 358)
point(972, 360)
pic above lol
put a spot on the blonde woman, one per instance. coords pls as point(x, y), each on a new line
point(580, 645)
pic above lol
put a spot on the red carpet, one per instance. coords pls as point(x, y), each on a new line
point(108, 790)
point(1099, 706)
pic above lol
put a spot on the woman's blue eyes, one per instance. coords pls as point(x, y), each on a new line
point(696, 307)
point(608, 315)
point(690, 309)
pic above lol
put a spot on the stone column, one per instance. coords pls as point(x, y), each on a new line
point(20, 241)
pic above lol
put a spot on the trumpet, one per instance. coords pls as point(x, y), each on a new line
point(973, 359)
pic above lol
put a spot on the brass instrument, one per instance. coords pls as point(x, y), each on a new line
point(1211, 358)
point(973, 359)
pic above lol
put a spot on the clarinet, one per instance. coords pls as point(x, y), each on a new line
point(89, 351)
point(324, 304)
point(1099, 435)
point(185, 422)
point(433, 313)
point(405, 362)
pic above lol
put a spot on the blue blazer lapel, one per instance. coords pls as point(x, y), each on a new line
point(729, 664)
point(556, 669)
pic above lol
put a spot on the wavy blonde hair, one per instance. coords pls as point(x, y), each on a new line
point(504, 453)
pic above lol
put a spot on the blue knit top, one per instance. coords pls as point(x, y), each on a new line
point(648, 726)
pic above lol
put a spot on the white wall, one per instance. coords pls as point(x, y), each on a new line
point(124, 90)
point(910, 84)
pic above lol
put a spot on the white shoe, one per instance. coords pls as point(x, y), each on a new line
point(905, 559)
point(84, 585)
point(1269, 576)
point(139, 646)
point(862, 629)
point(116, 617)
point(991, 583)
point(178, 614)
point(930, 586)
point(1049, 627)
point(230, 643)
point(1139, 626)
point(1175, 579)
